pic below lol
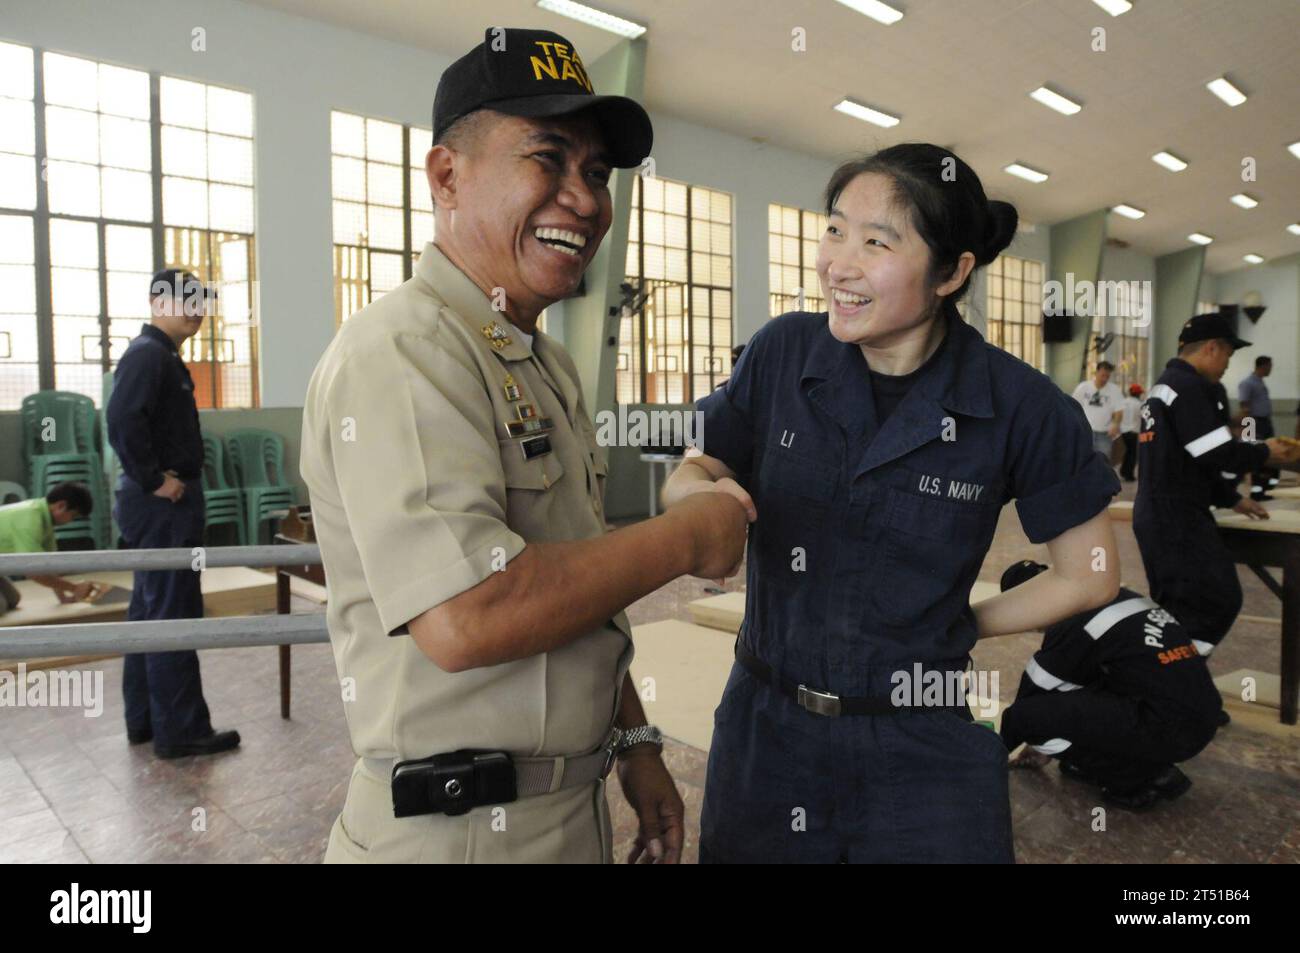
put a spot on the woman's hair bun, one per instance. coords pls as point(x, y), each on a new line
point(1001, 228)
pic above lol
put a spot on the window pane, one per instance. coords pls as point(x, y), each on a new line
point(384, 141)
point(349, 223)
point(17, 127)
point(75, 291)
point(384, 183)
point(16, 71)
point(17, 181)
point(230, 111)
point(230, 159)
point(123, 92)
point(183, 103)
point(127, 195)
point(184, 152)
point(74, 244)
point(231, 208)
point(348, 178)
point(420, 196)
point(124, 143)
point(185, 202)
point(71, 134)
point(73, 188)
point(17, 241)
point(347, 134)
point(387, 228)
point(71, 81)
point(17, 289)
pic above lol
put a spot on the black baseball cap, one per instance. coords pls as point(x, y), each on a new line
point(179, 284)
point(1022, 571)
point(538, 74)
point(1208, 327)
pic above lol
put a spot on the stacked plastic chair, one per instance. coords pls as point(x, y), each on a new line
point(223, 503)
point(61, 443)
point(257, 458)
point(11, 493)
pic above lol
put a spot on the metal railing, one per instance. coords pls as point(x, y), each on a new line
point(165, 635)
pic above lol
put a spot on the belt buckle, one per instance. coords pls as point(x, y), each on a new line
point(819, 703)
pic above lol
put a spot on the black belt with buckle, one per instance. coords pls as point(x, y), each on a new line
point(827, 703)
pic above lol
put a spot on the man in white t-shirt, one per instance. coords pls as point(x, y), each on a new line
point(1103, 404)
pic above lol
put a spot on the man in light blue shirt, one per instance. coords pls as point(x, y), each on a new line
point(1257, 405)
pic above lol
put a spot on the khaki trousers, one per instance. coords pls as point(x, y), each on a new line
point(570, 826)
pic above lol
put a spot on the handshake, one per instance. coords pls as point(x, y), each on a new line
point(1283, 452)
point(715, 517)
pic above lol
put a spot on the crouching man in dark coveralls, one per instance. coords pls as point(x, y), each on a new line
point(1118, 695)
point(1188, 461)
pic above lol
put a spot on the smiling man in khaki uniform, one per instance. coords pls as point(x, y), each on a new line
point(474, 597)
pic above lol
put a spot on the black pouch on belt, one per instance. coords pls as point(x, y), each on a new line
point(453, 783)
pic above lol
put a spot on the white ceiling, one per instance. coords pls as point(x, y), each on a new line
point(958, 73)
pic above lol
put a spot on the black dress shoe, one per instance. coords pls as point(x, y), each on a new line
point(1224, 717)
point(214, 743)
point(139, 737)
point(1261, 497)
point(1171, 784)
point(1137, 799)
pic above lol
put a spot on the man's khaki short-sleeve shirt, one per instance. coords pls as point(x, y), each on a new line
point(415, 431)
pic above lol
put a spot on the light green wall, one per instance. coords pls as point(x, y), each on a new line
point(1178, 279)
point(1076, 250)
point(588, 326)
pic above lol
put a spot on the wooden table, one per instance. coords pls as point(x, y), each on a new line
point(1258, 544)
point(295, 528)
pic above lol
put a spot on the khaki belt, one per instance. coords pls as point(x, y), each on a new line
point(533, 776)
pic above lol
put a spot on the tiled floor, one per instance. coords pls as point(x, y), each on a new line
point(72, 790)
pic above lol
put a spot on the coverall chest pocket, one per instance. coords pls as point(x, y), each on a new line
point(929, 546)
point(790, 541)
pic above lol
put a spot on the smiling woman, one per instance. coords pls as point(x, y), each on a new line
point(874, 446)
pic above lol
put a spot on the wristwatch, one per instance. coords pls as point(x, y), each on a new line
point(640, 735)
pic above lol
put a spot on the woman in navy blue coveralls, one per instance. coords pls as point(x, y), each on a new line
point(874, 447)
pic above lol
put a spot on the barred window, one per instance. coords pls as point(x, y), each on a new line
point(383, 212)
point(141, 171)
point(793, 237)
point(1015, 307)
point(675, 334)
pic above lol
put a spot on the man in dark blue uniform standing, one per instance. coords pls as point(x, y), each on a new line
point(1188, 461)
point(153, 425)
point(1118, 694)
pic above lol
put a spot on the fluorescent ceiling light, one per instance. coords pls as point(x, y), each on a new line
point(880, 12)
point(859, 111)
point(1242, 200)
point(1055, 101)
point(1025, 172)
point(1114, 7)
point(1199, 238)
point(1294, 229)
point(1226, 91)
point(1253, 259)
point(1169, 161)
point(1128, 211)
point(593, 17)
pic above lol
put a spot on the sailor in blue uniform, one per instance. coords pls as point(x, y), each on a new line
point(153, 426)
point(875, 446)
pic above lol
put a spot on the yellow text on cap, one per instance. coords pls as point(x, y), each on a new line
point(569, 67)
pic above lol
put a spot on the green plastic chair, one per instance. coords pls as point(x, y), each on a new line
point(223, 504)
point(257, 458)
point(74, 423)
